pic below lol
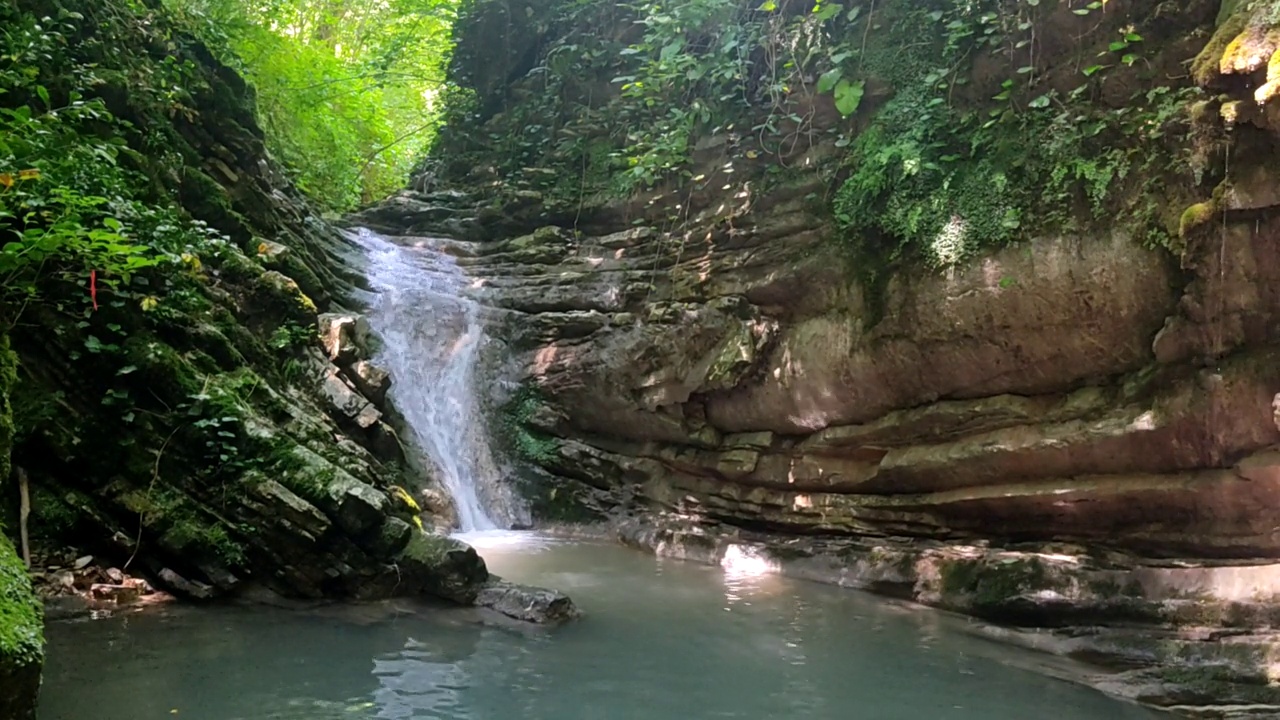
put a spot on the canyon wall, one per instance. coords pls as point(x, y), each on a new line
point(1071, 425)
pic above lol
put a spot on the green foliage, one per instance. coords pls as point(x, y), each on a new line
point(937, 179)
point(68, 205)
point(290, 336)
point(527, 443)
point(347, 91)
point(605, 114)
point(21, 633)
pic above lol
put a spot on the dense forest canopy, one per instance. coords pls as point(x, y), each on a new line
point(348, 90)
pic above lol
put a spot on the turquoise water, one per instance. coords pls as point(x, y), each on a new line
point(661, 639)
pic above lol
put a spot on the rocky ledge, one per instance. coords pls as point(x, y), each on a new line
point(1197, 640)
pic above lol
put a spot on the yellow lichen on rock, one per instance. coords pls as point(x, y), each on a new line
point(1243, 44)
point(1271, 88)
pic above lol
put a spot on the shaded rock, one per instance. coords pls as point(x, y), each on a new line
point(391, 538)
point(283, 503)
point(190, 588)
point(360, 507)
point(530, 604)
point(345, 402)
point(444, 567)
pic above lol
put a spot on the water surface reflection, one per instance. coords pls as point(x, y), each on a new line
point(661, 640)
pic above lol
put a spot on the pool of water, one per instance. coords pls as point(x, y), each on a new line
point(660, 639)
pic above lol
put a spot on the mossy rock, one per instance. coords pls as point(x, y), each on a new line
point(444, 567)
point(21, 638)
point(1195, 216)
point(1247, 37)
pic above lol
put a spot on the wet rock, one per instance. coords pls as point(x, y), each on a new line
point(283, 503)
point(443, 567)
point(391, 538)
point(360, 507)
point(183, 586)
point(372, 381)
point(529, 604)
point(345, 336)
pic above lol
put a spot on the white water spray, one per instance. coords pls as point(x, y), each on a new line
point(431, 336)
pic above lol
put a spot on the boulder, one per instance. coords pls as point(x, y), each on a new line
point(361, 508)
point(371, 380)
point(345, 336)
point(526, 603)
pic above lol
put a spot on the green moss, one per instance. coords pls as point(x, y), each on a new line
point(1195, 216)
point(990, 584)
point(162, 369)
point(529, 444)
point(1208, 63)
point(189, 530)
point(21, 637)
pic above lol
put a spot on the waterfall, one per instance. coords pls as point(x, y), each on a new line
point(430, 335)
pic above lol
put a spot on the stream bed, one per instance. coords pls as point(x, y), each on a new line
point(660, 639)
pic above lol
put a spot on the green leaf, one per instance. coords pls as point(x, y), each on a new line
point(829, 79)
point(848, 96)
point(768, 6)
point(826, 11)
point(1092, 70)
point(1040, 102)
point(1118, 46)
point(44, 95)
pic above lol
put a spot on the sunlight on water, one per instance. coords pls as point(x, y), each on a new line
point(743, 561)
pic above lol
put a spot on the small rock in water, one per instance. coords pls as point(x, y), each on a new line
point(115, 575)
point(114, 593)
point(67, 579)
point(530, 604)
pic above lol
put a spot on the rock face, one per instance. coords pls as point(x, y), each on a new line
point(1077, 430)
point(227, 432)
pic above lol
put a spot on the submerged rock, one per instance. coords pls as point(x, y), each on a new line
point(530, 604)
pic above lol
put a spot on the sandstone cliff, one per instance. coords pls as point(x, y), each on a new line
point(1066, 418)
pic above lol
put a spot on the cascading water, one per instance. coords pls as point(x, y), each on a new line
point(431, 334)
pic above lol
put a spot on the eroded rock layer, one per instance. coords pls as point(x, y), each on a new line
point(1078, 429)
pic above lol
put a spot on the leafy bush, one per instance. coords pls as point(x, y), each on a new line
point(70, 210)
